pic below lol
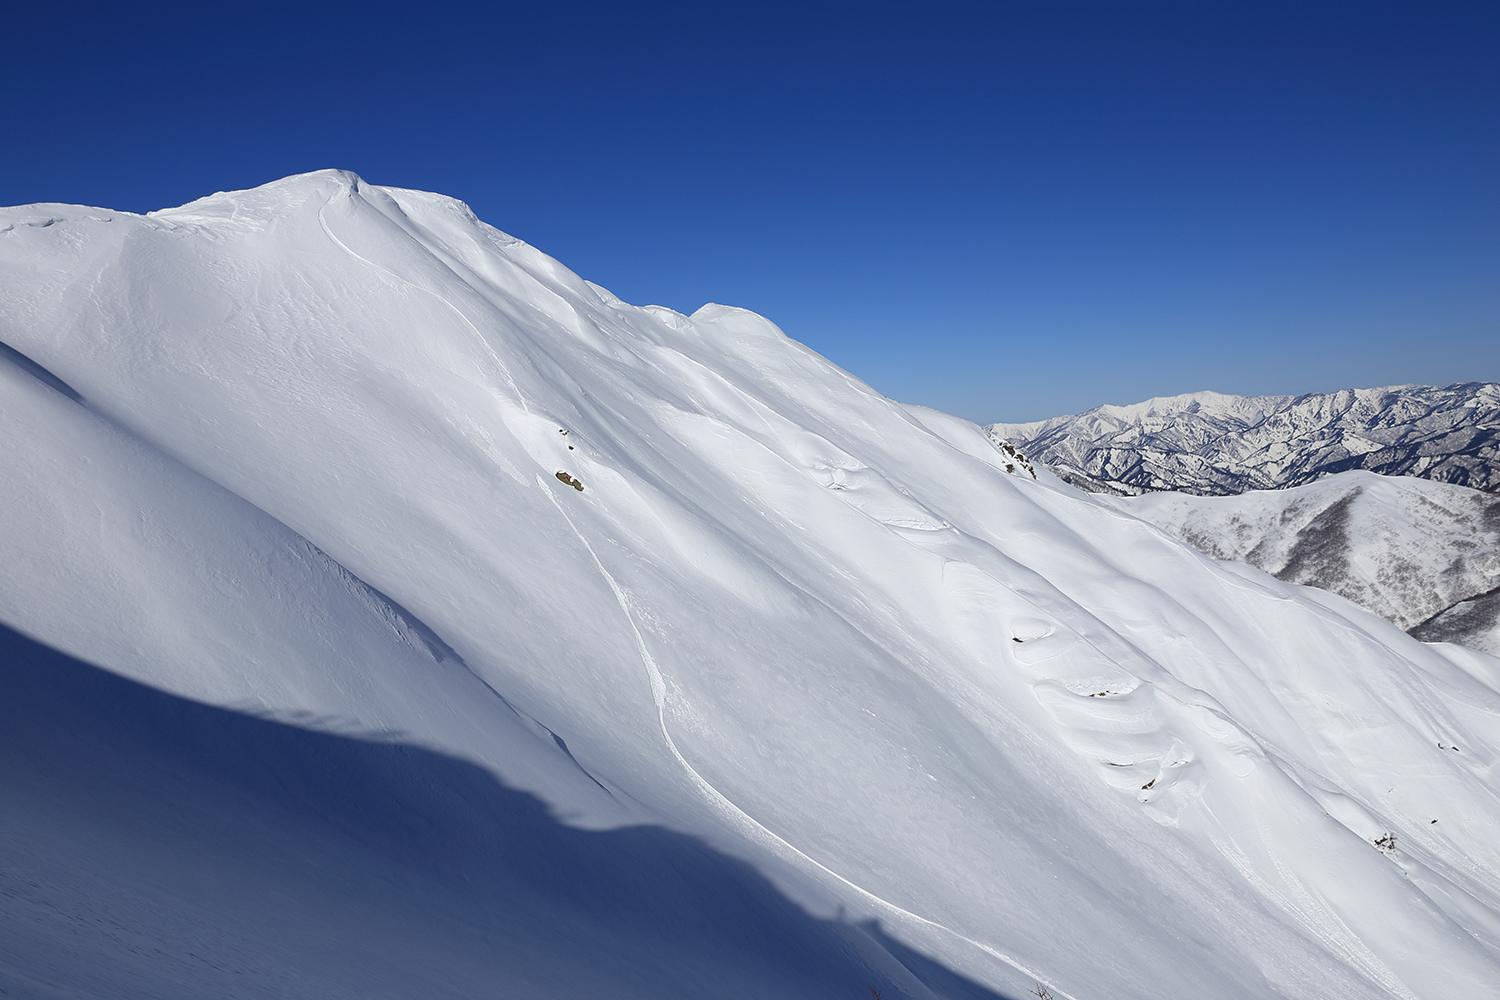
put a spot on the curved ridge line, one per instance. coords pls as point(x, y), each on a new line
point(759, 831)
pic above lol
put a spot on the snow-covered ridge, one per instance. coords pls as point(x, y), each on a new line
point(1215, 444)
point(296, 452)
point(1405, 548)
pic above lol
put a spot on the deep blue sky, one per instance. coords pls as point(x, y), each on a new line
point(1007, 210)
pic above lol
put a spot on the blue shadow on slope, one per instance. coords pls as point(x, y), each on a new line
point(152, 846)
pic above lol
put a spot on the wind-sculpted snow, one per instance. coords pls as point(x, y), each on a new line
point(1213, 444)
point(309, 465)
point(1407, 549)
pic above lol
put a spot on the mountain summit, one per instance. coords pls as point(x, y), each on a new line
point(470, 632)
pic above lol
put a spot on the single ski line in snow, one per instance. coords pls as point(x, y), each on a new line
point(504, 369)
point(759, 831)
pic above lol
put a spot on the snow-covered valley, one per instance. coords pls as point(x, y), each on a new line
point(466, 631)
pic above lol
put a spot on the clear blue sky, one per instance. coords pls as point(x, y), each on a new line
point(1006, 210)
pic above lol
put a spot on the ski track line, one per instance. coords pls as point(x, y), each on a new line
point(504, 369)
point(752, 826)
point(757, 831)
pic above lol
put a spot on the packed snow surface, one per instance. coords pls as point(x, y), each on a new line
point(1405, 548)
point(1214, 444)
point(350, 468)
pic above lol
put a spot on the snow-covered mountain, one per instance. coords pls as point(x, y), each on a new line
point(468, 632)
point(1214, 444)
point(1473, 622)
point(1407, 549)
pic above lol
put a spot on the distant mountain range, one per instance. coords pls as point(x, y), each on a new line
point(1214, 444)
point(1287, 484)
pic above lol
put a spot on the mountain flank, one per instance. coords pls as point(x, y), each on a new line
point(323, 683)
point(1423, 555)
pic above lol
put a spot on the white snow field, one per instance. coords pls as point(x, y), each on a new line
point(799, 696)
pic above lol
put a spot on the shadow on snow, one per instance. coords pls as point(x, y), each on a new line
point(152, 846)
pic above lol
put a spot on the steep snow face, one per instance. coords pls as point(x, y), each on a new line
point(1214, 444)
point(347, 457)
point(1405, 548)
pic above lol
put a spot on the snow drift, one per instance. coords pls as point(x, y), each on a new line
point(299, 453)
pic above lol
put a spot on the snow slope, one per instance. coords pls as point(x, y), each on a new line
point(1214, 444)
point(203, 852)
point(297, 453)
point(1405, 548)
